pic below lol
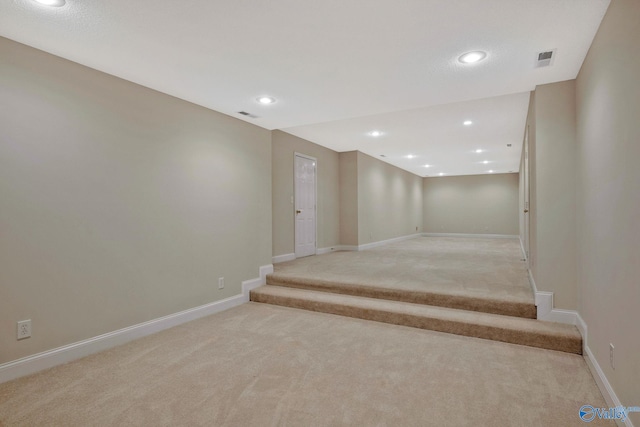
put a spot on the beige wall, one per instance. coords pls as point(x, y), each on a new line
point(119, 204)
point(349, 198)
point(472, 204)
point(608, 206)
point(284, 146)
point(553, 260)
point(389, 201)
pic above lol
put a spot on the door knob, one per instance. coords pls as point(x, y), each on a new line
point(526, 210)
point(298, 211)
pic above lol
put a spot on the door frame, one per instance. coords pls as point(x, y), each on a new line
point(526, 195)
point(315, 197)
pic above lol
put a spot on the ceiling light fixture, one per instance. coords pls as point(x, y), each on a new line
point(472, 57)
point(467, 123)
point(427, 166)
point(441, 173)
point(485, 162)
point(478, 151)
point(491, 171)
point(53, 3)
point(375, 133)
point(266, 100)
point(410, 156)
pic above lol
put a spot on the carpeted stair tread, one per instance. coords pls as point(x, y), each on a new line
point(504, 305)
point(516, 330)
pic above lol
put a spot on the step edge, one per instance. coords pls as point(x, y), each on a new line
point(562, 330)
point(564, 344)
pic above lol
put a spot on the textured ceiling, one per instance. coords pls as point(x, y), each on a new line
point(329, 61)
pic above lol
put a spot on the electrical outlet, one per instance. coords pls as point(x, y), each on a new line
point(24, 329)
point(221, 283)
point(611, 359)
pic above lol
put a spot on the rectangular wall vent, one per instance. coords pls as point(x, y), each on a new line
point(244, 113)
point(546, 58)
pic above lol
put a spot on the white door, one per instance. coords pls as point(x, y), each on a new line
point(526, 194)
point(305, 205)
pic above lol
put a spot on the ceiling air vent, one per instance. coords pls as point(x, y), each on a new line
point(546, 58)
point(244, 113)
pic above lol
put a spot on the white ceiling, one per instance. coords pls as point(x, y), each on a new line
point(338, 69)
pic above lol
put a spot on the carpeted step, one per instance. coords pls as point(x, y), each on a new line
point(530, 332)
point(505, 305)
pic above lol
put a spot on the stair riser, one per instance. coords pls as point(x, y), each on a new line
point(527, 311)
point(452, 327)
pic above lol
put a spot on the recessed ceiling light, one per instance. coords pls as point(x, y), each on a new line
point(441, 173)
point(467, 123)
point(471, 57)
point(485, 162)
point(375, 133)
point(266, 100)
point(54, 3)
point(410, 156)
point(427, 166)
point(491, 171)
point(478, 151)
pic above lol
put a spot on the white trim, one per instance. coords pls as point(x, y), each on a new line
point(603, 384)
point(57, 356)
point(569, 317)
point(315, 199)
point(524, 252)
point(545, 310)
point(582, 328)
point(486, 236)
point(322, 251)
point(249, 285)
point(544, 304)
point(533, 282)
point(264, 270)
point(283, 258)
point(386, 242)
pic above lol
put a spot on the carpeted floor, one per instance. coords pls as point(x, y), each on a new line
point(264, 365)
point(469, 268)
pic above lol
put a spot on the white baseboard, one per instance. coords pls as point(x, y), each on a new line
point(57, 356)
point(366, 245)
point(264, 270)
point(322, 251)
point(486, 236)
point(545, 310)
point(603, 384)
point(249, 285)
point(569, 317)
point(524, 252)
point(388, 241)
point(282, 258)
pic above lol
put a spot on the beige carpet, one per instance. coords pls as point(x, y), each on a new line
point(263, 365)
point(515, 330)
point(480, 274)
